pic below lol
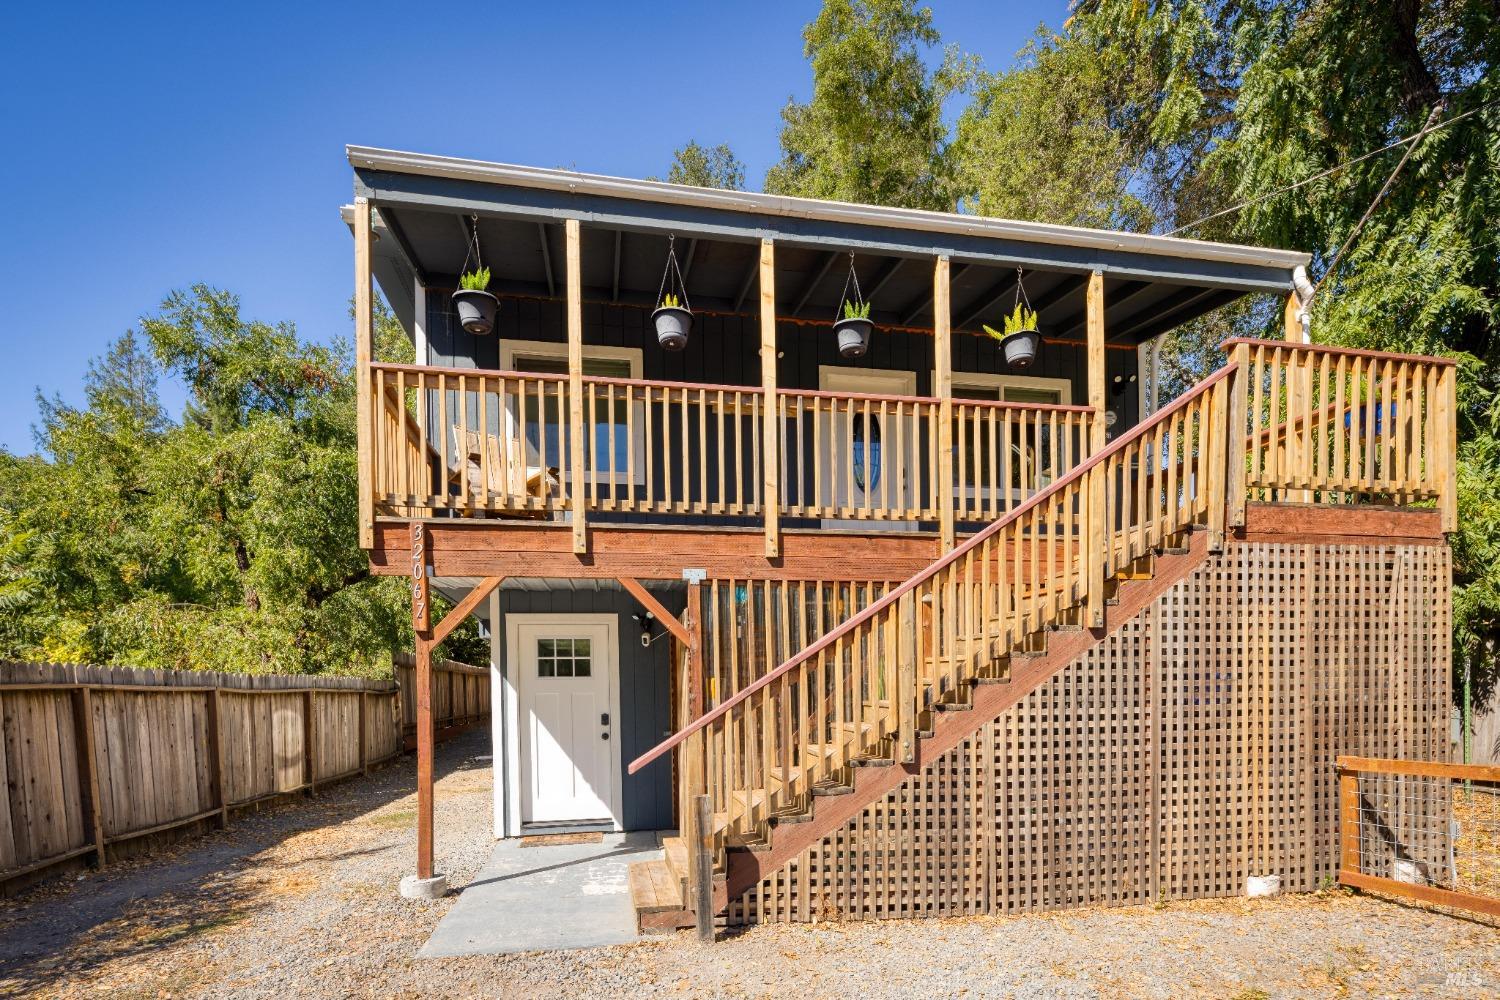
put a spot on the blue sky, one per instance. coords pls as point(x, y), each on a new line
point(149, 146)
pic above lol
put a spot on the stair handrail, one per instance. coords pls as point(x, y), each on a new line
point(936, 567)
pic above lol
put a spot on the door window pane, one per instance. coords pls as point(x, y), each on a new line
point(564, 657)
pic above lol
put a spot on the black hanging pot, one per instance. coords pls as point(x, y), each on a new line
point(1020, 349)
point(476, 310)
point(673, 324)
point(854, 336)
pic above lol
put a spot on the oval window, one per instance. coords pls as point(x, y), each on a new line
point(866, 435)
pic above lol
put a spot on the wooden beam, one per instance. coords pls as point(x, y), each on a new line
point(577, 501)
point(815, 282)
point(1097, 401)
point(884, 279)
point(364, 327)
point(464, 608)
point(651, 604)
point(987, 301)
point(1291, 325)
point(687, 262)
point(463, 547)
point(614, 294)
point(1078, 322)
point(541, 231)
point(942, 352)
point(771, 431)
point(422, 679)
point(697, 697)
point(750, 275)
point(918, 307)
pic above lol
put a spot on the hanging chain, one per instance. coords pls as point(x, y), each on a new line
point(473, 250)
point(670, 270)
point(859, 299)
point(1021, 295)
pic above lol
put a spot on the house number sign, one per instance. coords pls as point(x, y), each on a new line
point(420, 622)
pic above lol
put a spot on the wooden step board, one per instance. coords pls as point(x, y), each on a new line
point(656, 896)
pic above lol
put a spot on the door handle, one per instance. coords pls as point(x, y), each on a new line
point(604, 735)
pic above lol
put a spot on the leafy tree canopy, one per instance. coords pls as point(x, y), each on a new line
point(873, 131)
point(707, 166)
point(224, 540)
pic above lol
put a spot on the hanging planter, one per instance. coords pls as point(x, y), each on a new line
point(476, 306)
point(1020, 341)
point(854, 329)
point(673, 317)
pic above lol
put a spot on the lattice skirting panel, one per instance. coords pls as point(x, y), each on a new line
point(1190, 749)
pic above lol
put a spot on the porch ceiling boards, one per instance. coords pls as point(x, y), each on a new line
point(1152, 283)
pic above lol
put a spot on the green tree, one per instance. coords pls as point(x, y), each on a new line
point(873, 131)
point(225, 540)
point(1228, 103)
point(707, 166)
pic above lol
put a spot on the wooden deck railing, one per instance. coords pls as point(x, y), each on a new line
point(870, 680)
point(862, 689)
point(1338, 425)
point(481, 442)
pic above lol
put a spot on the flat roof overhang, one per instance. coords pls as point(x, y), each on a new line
point(1152, 283)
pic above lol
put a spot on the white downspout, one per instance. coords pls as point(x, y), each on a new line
point(1305, 292)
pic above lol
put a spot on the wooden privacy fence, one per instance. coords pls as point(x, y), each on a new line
point(95, 756)
point(460, 696)
point(1421, 830)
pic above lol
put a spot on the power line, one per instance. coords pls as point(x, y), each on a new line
point(1335, 169)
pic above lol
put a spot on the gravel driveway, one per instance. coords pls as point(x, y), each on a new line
point(301, 902)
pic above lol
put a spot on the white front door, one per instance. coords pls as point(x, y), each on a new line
point(566, 722)
point(867, 462)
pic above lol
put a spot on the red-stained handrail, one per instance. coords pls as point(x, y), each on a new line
point(890, 599)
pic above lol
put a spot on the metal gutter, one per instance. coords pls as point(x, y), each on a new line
point(659, 192)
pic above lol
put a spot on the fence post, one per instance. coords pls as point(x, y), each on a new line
point(88, 771)
point(1348, 820)
point(216, 756)
point(1234, 437)
point(703, 867)
point(309, 736)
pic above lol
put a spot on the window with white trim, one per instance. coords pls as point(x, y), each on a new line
point(606, 452)
point(1030, 459)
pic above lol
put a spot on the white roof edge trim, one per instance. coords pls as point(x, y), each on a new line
point(457, 168)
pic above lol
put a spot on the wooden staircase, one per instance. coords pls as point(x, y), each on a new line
point(795, 755)
point(658, 890)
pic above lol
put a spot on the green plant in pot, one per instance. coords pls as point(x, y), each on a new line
point(673, 321)
point(854, 329)
point(1020, 342)
point(476, 306)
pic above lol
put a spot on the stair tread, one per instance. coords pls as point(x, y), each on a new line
point(676, 855)
point(653, 888)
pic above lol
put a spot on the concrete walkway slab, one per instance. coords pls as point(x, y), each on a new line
point(546, 899)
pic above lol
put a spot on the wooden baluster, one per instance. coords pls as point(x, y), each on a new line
point(1446, 452)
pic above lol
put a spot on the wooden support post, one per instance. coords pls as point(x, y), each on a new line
point(422, 679)
point(309, 741)
point(1291, 325)
point(1098, 516)
point(88, 769)
point(908, 640)
point(1348, 821)
point(1234, 438)
point(216, 755)
point(364, 325)
point(697, 697)
point(703, 866)
point(1299, 384)
point(942, 358)
point(1213, 433)
point(577, 501)
point(1446, 448)
point(771, 431)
